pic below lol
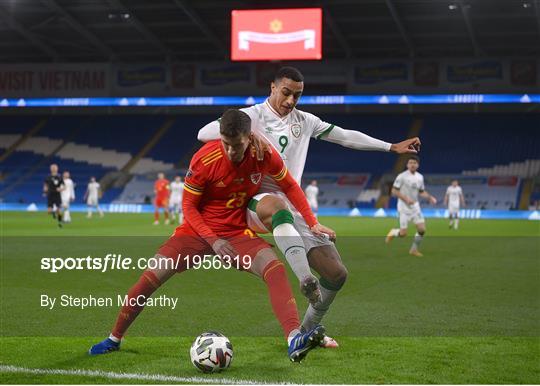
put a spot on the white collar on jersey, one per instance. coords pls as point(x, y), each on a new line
point(269, 106)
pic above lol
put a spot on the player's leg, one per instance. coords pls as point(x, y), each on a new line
point(65, 206)
point(404, 219)
point(148, 283)
point(67, 214)
point(156, 211)
point(101, 214)
point(169, 259)
point(58, 206)
point(272, 271)
point(89, 207)
point(50, 207)
point(335, 273)
point(268, 211)
point(456, 219)
point(326, 261)
point(166, 212)
point(134, 301)
point(172, 210)
point(419, 236)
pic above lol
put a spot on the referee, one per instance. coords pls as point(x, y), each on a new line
point(52, 187)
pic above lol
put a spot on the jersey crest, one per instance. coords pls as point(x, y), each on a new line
point(256, 178)
point(295, 130)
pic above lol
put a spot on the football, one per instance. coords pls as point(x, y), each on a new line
point(211, 352)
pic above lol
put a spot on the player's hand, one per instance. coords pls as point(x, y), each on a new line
point(409, 146)
point(321, 230)
point(223, 248)
point(432, 200)
point(409, 201)
point(259, 146)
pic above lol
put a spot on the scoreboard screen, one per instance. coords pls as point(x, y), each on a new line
point(277, 34)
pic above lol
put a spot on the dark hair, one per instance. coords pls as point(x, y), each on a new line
point(414, 157)
point(234, 123)
point(291, 73)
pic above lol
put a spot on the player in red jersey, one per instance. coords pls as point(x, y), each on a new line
point(161, 192)
point(222, 178)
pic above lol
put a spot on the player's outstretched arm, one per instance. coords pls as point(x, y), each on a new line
point(209, 132)
point(409, 146)
point(359, 141)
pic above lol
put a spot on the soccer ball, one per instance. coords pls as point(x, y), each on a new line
point(211, 352)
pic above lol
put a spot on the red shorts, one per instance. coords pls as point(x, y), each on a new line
point(185, 243)
point(161, 202)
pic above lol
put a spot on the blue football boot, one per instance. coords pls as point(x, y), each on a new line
point(302, 343)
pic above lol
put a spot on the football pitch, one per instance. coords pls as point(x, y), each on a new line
point(466, 312)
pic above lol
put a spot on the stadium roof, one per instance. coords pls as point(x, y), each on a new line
point(181, 30)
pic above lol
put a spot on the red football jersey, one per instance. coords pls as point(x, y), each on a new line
point(220, 190)
point(161, 186)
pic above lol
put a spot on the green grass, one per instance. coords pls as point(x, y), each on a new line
point(467, 312)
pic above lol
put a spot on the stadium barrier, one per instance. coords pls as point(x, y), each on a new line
point(362, 99)
point(343, 212)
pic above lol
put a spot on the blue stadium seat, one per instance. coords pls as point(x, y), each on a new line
point(180, 138)
point(328, 157)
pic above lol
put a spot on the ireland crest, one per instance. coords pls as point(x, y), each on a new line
point(295, 130)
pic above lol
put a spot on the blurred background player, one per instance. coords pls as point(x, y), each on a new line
point(453, 198)
point(67, 195)
point(52, 188)
point(175, 202)
point(312, 192)
point(161, 191)
point(92, 197)
point(407, 187)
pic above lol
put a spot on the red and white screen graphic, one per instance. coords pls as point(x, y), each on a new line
point(276, 34)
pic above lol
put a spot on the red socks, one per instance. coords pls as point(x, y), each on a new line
point(156, 215)
point(147, 284)
point(281, 296)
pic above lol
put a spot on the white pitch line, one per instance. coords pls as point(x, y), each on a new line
point(133, 376)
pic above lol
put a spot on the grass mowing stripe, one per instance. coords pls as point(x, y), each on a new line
point(135, 376)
